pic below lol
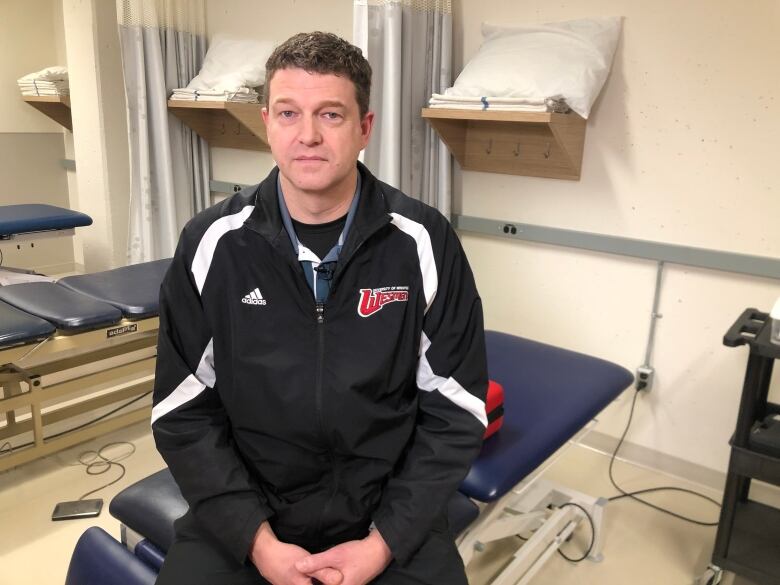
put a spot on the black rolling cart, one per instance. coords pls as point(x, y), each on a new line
point(748, 538)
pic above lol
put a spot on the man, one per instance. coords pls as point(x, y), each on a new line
point(321, 365)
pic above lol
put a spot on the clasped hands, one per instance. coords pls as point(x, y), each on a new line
point(356, 562)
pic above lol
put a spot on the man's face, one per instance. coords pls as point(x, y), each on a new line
point(315, 130)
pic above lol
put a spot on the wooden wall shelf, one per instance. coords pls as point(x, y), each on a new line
point(536, 144)
point(56, 107)
point(225, 124)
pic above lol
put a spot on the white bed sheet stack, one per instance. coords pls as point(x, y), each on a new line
point(50, 81)
point(242, 94)
point(498, 104)
point(232, 71)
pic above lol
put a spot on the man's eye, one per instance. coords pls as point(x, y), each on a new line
point(287, 114)
point(332, 115)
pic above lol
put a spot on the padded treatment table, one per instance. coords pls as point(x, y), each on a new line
point(98, 559)
point(20, 328)
point(551, 394)
point(90, 330)
point(134, 289)
point(36, 218)
point(68, 311)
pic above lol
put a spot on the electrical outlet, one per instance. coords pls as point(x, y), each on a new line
point(644, 378)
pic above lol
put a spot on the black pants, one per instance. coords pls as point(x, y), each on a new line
point(195, 559)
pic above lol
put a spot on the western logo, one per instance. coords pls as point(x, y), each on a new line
point(372, 300)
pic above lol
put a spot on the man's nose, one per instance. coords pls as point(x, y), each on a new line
point(310, 132)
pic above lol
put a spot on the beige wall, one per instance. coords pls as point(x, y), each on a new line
point(22, 20)
point(680, 148)
point(31, 145)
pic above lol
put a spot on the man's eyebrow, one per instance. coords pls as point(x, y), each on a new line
point(332, 104)
point(282, 100)
point(323, 104)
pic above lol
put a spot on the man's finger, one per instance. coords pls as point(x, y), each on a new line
point(314, 563)
point(328, 576)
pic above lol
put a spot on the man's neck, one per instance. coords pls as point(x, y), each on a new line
point(314, 208)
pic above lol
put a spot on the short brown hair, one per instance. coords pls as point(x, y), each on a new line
point(321, 52)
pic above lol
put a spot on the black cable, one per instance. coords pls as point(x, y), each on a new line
point(100, 464)
point(76, 428)
point(592, 534)
point(633, 495)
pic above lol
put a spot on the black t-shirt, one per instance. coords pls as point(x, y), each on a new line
point(319, 237)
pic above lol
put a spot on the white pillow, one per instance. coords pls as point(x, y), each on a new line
point(233, 63)
point(569, 60)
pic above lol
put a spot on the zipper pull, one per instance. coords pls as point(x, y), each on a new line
point(320, 308)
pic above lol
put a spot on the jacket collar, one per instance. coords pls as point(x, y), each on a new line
point(372, 213)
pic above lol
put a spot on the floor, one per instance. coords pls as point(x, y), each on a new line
point(642, 546)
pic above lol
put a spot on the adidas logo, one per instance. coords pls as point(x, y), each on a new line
point(254, 298)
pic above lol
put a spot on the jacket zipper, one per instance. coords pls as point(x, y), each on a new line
point(320, 316)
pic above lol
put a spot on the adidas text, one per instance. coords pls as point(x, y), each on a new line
point(249, 301)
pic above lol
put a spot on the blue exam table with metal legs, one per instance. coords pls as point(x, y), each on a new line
point(106, 321)
point(551, 395)
point(32, 220)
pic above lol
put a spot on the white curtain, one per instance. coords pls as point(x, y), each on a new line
point(163, 45)
point(409, 46)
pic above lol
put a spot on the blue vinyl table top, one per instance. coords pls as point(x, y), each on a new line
point(550, 393)
point(38, 217)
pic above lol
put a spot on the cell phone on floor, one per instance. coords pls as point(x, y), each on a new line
point(77, 509)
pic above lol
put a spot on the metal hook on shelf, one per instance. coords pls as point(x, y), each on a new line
point(547, 152)
point(516, 151)
point(489, 148)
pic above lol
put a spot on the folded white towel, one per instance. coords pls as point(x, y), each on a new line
point(33, 89)
point(242, 94)
point(30, 86)
point(214, 98)
point(49, 74)
point(212, 91)
point(501, 104)
point(498, 108)
point(45, 92)
point(442, 98)
point(41, 83)
point(41, 86)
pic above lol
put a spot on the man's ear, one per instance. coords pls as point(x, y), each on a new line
point(366, 126)
point(264, 114)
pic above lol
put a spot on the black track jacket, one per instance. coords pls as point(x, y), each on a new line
point(324, 419)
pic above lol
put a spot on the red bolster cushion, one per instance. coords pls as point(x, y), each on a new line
point(494, 405)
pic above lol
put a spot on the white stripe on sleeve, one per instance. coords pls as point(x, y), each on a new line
point(208, 243)
point(192, 386)
point(450, 388)
point(424, 253)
